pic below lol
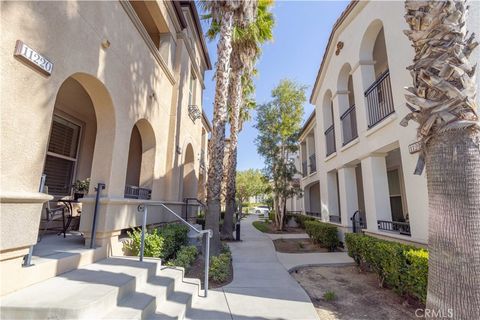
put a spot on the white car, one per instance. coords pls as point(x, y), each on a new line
point(262, 210)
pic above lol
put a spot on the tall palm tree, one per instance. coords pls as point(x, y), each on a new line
point(246, 50)
point(442, 101)
point(222, 14)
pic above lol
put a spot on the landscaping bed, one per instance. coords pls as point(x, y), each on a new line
point(297, 246)
point(347, 294)
point(269, 227)
point(197, 270)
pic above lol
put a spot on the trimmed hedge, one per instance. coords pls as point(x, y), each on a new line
point(300, 219)
point(403, 268)
point(322, 233)
point(184, 257)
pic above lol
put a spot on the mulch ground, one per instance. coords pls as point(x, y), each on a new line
point(297, 246)
point(357, 295)
point(271, 229)
point(197, 270)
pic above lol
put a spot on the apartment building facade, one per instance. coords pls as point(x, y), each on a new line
point(357, 161)
point(110, 91)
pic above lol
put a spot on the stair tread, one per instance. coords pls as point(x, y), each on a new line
point(78, 288)
point(179, 302)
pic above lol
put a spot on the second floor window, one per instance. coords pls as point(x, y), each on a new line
point(191, 89)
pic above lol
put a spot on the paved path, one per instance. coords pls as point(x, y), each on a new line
point(261, 288)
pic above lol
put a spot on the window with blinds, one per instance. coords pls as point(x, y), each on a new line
point(61, 156)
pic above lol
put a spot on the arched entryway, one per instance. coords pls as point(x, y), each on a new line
point(190, 182)
point(141, 161)
point(79, 150)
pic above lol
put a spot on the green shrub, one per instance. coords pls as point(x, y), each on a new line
point(153, 243)
point(401, 267)
point(300, 219)
point(220, 267)
point(260, 226)
point(323, 233)
point(271, 215)
point(184, 257)
point(416, 275)
point(174, 237)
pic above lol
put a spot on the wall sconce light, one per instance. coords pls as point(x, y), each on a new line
point(194, 112)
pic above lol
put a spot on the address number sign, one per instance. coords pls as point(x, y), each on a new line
point(32, 57)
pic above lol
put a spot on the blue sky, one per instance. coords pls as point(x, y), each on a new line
point(300, 36)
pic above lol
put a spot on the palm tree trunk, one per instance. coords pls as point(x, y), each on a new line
point(217, 142)
point(235, 104)
point(453, 173)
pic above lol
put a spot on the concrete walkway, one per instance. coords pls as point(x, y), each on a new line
point(261, 288)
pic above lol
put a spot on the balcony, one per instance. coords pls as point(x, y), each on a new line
point(313, 163)
point(349, 125)
point(335, 219)
point(133, 192)
point(304, 168)
point(379, 100)
point(330, 140)
point(402, 228)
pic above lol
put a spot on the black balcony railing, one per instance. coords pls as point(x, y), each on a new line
point(395, 226)
point(313, 214)
point(336, 219)
point(330, 140)
point(313, 163)
point(304, 168)
point(349, 125)
point(379, 99)
point(133, 192)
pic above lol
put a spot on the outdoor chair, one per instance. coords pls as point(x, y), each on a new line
point(53, 214)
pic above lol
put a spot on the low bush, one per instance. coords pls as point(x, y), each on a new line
point(220, 267)
point(300, 219)
point(153, 243)
point(323, 233)
point(174, 237)
point(401, 267)
point(271, 215)
point(184, 257)
point(159, 243)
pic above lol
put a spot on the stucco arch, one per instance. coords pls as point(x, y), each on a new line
point(141, 161)
point(327, 110)
point(190, 182)
point(368, 40)
point(343, 75)
point(106, 123)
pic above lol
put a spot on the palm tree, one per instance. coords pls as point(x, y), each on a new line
point(246, 50)
point(442, 101)
point(222, 14)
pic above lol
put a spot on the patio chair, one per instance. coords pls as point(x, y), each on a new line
point(53, 214)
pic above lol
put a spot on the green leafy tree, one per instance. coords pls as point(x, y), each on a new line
point(250, 183)
point(278, 123)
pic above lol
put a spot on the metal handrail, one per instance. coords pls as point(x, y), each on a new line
point(207, 233)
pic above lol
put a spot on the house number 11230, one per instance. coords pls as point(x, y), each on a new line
point(32, 57)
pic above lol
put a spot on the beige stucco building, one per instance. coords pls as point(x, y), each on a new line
point(117, 98)
point(357, 161)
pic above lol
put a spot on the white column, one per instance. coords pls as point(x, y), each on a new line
point(347, 185)
point(363, 75)
point(375, 188)
point(332, 193)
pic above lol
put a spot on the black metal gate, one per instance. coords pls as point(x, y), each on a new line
point(357, 222)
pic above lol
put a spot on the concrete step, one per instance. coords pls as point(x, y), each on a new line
point(87, 292)
point(114, 288)
point(179, 303)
